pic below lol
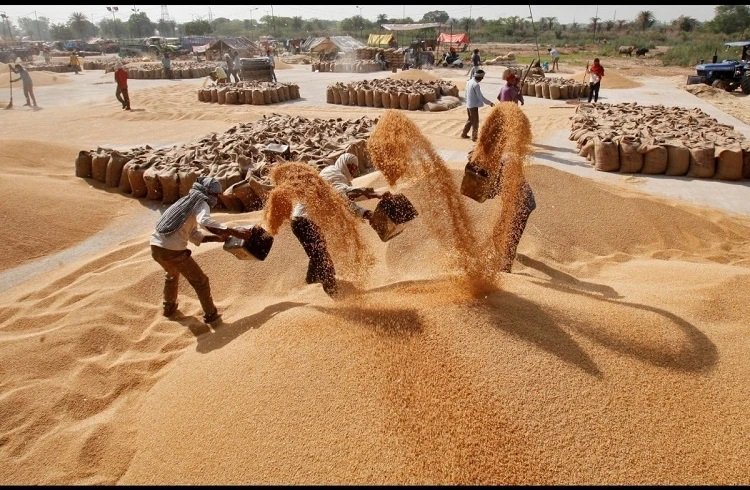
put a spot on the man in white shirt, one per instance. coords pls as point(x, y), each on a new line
point(474, 100)
point(555, 54)
point(320, 267)
point(177, 226)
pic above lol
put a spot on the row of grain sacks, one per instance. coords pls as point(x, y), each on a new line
point(626, 154)
point(389, 94)
point(51, 67)
point(167, 183)
point(244, 95)
point(156, 72)
point(363, 66)
point(554, 88)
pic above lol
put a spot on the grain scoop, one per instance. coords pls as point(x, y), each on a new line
point(255, 247)
point(391, 214)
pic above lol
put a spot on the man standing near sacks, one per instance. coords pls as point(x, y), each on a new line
point(474, 100)
point(269, 53)
point(121, 92)
point(597, 72)
point(555, 55)
point(320, 267)
point(166, 63)
point(510, 92)
point(177, 226)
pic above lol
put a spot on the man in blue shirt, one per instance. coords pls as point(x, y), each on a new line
point(474, 100)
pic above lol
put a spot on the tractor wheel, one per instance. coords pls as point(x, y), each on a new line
point(745, 84)
point(720, 84)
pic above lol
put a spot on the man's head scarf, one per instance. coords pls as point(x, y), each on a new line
point(205, 189)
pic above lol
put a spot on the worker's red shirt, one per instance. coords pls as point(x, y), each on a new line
point(598, 70)
point(121, 77)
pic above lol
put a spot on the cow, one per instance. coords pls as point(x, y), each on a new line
point(641, 52)
point(628, 50)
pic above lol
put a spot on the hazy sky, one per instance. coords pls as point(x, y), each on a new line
point(184, 13)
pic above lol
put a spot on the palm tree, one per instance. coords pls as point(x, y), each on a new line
point(594, 23)
point(645, 19)
point(382, 19)
point(685, 24)
point(620, 23)
point(78, 23)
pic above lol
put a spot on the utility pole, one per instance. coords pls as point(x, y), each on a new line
point(251, 22)
point(468, 26)
point(536, 38)
point(38, 32)
point(273, 22)
point(596, 22)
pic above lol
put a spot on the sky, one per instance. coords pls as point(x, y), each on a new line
point(184, 13)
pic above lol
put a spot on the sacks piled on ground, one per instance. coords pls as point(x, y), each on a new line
point(180, 69)
point(359, 66)
point(366, 53)
point(51, 67)
point(499, 60)
point(239, 158)
point(631, 138)
point(553, 88)
point(390, 93)
point(249, 92)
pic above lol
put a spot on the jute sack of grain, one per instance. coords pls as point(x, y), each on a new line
point(746, 163)
point(587, 149)
point(231, 97)
point(361, 97)
point(315, 66)
point(539, 90)
point(434, 107)
point(678, 159)
point(403, 101)
point(267, 96)
point(230, 201)
point(222, 95)
point(258, 97)
point(83, 164)
point(344, 95)
point(243, 191)
point(352, 96)
point(114, 168)
point(395, 104)
point(385, 99)
point(137, 182)
point(429, 96)
point(702, 162)
point(99, 166)
point(240, 96)
point(631, 160)
point(214, 95)
point(169, 185)
point(274, 96)
point(565, 91)
point(285, 90)
point(248, 96)
point(153, 187)
point(606, 155)
point(200, 95)
point(369, 98)
point(336, 95)
point(294, 91)
point(186, 177)
point(329, 95)
point(728, 163)
point(376, 100)
point(655, 158)
point(124, 185)
point(412, 102)
point(554, 92)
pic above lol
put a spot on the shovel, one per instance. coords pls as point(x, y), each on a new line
point(10, 78)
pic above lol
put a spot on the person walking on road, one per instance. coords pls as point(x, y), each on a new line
point(28, 86)
point(121, 92)
point(597, 72)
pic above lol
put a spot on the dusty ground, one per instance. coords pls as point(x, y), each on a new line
point(615, 353)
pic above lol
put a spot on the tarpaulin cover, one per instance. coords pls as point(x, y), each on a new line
point(379, 39)
point(409, 27)
point(460, 38)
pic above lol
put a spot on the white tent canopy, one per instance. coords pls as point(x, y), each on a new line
point(410, 27)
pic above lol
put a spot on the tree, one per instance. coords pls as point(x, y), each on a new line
point(685, 24)
point(645, 19)
point(60, 32)
point(77, 23)
point(594, 23)
point(382, 19)
point(197, 28)
point(35, 28)
point(609, 25)
point(140, 25)
point(297, 23)
point(730, 19)
point(436, 16)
